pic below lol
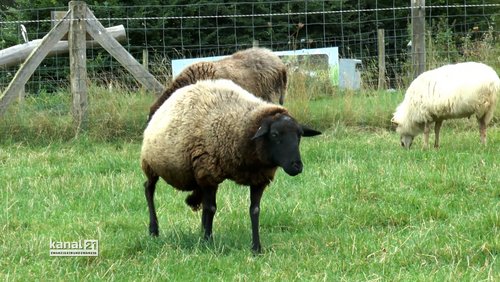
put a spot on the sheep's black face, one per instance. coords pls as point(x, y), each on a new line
point(282, 139)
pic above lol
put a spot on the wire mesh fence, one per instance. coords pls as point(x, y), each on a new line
point(454, 32)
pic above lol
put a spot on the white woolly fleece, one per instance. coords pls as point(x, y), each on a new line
point(451, 91)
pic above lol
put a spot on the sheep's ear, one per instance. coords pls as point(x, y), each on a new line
point(263, 130)
point(308, 132)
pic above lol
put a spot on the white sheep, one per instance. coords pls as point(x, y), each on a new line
point(210, 131)
point(449, 92)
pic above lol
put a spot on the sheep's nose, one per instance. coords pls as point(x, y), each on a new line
point(297, 165)
point(293, 168)
point(282, 99)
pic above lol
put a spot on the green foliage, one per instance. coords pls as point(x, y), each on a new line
point(482, 48)
point(446, 46)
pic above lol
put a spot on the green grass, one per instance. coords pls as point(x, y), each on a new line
point(363, 209)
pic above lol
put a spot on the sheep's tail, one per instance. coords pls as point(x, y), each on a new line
point(494, 90)
point(194, 200)
point(195, 72)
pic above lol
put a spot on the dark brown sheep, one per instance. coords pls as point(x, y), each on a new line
point(212, 131)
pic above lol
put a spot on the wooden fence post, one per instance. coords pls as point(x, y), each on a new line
point(145, 59)
point(381, 58)
point(22, 94)
point(418, 36)
point(77, 61)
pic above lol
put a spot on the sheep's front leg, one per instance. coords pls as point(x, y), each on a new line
point(149, 189)
point(255, 196)
point(437, 128)
point(209, 209)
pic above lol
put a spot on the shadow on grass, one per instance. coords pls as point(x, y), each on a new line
point(225, 241)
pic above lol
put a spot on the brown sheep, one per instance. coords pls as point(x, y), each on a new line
point(212, 131)
point(257, 70)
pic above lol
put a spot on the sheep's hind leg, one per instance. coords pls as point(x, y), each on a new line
point(255, 196)
point(149, 187)
point(209, 209)
point(426, 135)
point(437, 128)
point(482, 130)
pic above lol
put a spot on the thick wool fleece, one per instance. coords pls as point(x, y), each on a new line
point(202, 135)
point(257, 70)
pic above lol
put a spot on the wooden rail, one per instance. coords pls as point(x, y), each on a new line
point(17, 54)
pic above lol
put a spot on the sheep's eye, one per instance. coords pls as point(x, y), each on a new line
point(274, 134)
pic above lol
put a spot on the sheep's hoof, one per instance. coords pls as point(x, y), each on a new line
point(153, 231)
point(208, 237)
point(257, 250)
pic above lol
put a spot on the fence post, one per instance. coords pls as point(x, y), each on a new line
point(22, 94)
point(418, 36)
point(381, 58)
point(77, 61)
point(145, 59)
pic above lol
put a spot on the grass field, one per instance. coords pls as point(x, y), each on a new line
point(363, 209)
